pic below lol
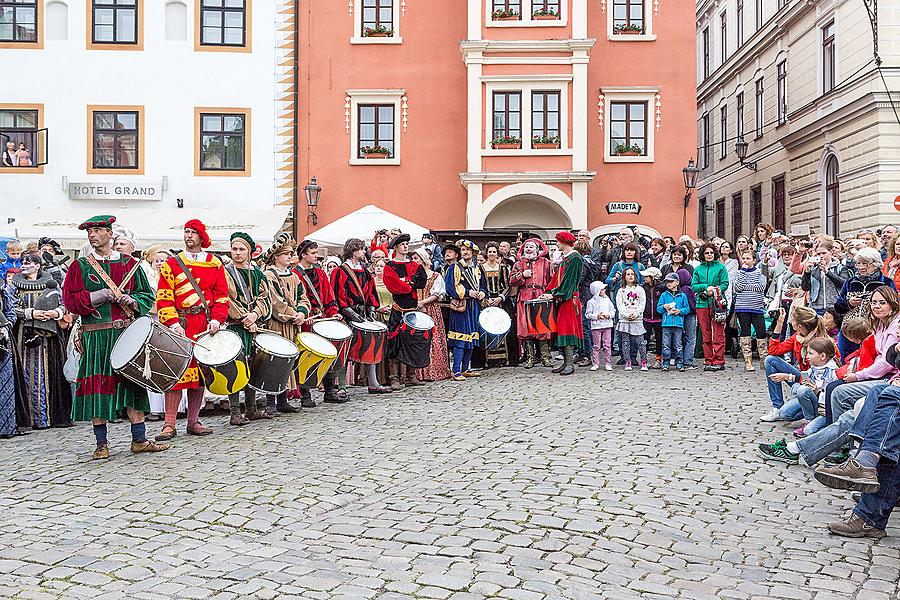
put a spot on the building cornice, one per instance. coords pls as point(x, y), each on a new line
point(839, 117)
point(478, 47)
point(527, 177)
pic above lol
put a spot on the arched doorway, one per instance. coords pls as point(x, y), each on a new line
point(832, 197)
point(540, 208)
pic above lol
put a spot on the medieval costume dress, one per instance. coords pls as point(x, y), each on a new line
point(498, 286)
point(41, 352)
point(404, 280)
point(564, 287)
point(7, 373)
point(439, 368)
point(288, 300)
point(462, 278)
point(531, 287)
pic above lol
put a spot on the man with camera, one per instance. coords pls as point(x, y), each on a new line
point(823, 277)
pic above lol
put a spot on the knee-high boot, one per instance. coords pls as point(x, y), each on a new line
point(762, 346)
point(568, 366)
point(544, 345)
point(530, 353)
point(747, 350)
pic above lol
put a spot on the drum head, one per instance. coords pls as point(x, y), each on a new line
point(218, 349)
point(317, 344)
point(375, 326)
point(332, 330)
point(419, 320)
point(275, 344)
point(494, 320)
point(130, 342)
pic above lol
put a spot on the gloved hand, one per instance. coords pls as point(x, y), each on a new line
point(351, 315)
point(103, 296)
point(127, 301)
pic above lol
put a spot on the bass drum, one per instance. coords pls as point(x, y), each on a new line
point(414, 340)
point(316, 356)
point(367, 345)
point(494, 323)
point(274, 357)
point(222, 362)
point(150, 355)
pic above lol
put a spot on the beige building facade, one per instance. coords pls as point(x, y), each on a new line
point(796, 80)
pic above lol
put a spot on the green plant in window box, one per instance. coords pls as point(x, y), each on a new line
point(505, 14)
point(629, 29)
point(375, 152)
point(545, 142)
point(506, 143)
point(378, 31)
point(545, 14)
point(626, 150)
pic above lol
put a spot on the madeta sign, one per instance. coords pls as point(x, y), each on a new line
point(624, 207)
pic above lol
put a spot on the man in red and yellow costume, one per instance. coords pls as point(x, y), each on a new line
point(192, 298)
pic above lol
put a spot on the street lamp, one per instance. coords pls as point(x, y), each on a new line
point(312, 190)
point(690, 173)
point(740, 148)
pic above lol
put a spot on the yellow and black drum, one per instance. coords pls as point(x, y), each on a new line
point(316, 356)
point(223, 364)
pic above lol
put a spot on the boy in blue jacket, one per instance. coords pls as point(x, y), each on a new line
point(673, 305)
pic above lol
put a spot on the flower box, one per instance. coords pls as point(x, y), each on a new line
point(375, 155)
point(545, 17)
point(545, 145)
point(510, 18)
point(629, 32)
point(507, 146)
point(628, 153)
point(379, 35)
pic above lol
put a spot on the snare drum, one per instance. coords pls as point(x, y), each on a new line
point(316, 356)
point(494, 323)
point(367, 345)
point(338, 334)
point(414, 339)
point(222, 362)
point(150, 355)
point(541, 316)
point(274, 358)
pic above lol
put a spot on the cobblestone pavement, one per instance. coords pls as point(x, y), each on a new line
point(519, 485)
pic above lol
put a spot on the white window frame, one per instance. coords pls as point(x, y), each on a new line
point(647, 36)
point(357, 26)
point(821, 22)
point(383, 96)
point(632, 94)
point(526, 84)
point(526, 20)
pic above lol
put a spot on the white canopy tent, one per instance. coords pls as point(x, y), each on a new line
point(363, 223)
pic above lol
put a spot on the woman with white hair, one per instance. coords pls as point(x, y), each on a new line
point(853, 299)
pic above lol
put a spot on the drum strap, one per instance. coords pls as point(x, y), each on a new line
point(193, 282)
point(107, 280)
point(243, 287)
point(311, 288)
point(355, 280)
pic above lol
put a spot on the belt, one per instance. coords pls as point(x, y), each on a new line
point(117, 324)
point(194, 310)
point(396, 307)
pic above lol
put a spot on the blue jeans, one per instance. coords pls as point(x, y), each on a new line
point(808, 399)
point(672, 345)
point(882, 431)
point(817, 446)
point(843, 397)
point(776, 364)
point(791, 410)
point(875, 509)
point(690, 339)
point(588, 342)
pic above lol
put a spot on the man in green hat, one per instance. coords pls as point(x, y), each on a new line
point(95, 288)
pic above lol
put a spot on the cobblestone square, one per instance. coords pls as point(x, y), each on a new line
point(518, 485)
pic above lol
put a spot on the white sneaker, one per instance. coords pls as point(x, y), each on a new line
point(644, 368)
point(595, 367)
point(608, 367)
point(627, 366)
point(771, 416)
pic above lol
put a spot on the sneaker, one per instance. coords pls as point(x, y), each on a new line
point(838, 457)
point(856, 527)
point(608, 367)
point(849, 476)
point(665, 367)
point(595, 367)
point(771, 416)
point(778, 451)
point(682, 369)
point(799, 433)
point(644, 367)
point(690, 367)
point(628, 366)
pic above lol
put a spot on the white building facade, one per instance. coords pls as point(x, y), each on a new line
point(797, 81)
point(140, 108)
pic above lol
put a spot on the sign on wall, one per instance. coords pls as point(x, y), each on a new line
point(104, 190)
point(633, 208)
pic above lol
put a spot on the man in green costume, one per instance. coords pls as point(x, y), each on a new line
point(101, 395)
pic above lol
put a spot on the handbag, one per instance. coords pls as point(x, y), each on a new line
point(720, 311)
point(458, 305)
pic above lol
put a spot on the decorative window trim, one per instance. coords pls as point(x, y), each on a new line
point(397, 97)
point(248, 30)
point(526, 84)
point(40, 125)
point(248, 141)
point(637, 94)
point(39, 44)
point(357, 38)
point(138, 46)
point(527, 20)
point(650, 10)
point(141, 135)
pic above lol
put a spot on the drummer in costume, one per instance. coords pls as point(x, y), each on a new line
point(496, 273)
point(290, 308)
point(531, 274)
point(355, 295)
point(250, 306)
point(563, 289)
point(100, 394)
point(321, 298)
point(403, 279)
point(466, 287)
point(191, 298)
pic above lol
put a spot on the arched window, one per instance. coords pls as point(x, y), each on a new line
point(832, 197)
point(57, 22)
point(176, 21)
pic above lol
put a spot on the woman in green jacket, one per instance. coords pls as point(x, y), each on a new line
point(709, 283)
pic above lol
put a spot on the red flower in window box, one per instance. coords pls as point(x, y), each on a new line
point(505, 15)
point(632, 150)
point(628, 30)
point(378, 32)
point(545, 15)
point(506, 143)
point(375, 152)
point(545, 142)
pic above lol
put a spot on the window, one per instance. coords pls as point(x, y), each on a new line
point(737, 215)
point(506, 8)
point(376, 130)
point(628, 128)
point(828, 58)
point(176, 21)
point(759, 14)
point(760, 112)
point(756, 205)
point(222, 142)
point(22, 124)
point(720, 217)
point(723, 125)
point(507, 116)
point(705, 38)
point(545, 7)
point(724, 35)
point(114, 22)
point(740, 115)
point(545, 117)
point(628, 16)
point(782, 92)
point(740, 23)
point(223, 23)
point(377, 18)
point(779, 219)
point(19, 21)
point(704, 151)
point(832, 197)
point(116, 140)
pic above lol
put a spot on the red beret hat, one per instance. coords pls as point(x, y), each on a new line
point(198, 226)
point(565, 237)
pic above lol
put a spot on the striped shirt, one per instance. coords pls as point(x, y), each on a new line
point(749, 291)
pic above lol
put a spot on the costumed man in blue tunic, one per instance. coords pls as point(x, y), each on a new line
point(466, 287)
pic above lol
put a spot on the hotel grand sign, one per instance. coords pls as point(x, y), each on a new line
point(100, 190)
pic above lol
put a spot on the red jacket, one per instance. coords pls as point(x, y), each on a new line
point(796, 349)
point(865, 357)
point(319, 279)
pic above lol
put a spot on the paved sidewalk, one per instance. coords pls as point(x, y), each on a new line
point(518, 485)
